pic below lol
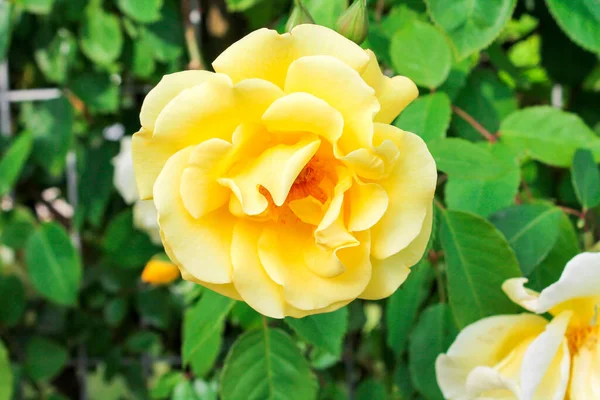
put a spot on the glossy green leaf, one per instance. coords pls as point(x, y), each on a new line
point(420, 52)
point(479, 260)
point(486, 99)
point(44, 358)
point(548, 135)
point(51, 123)
point(53, 265)
point(403, 306)
point(485, 196)
point(531, 230)
point(12, 288)
point(565, 248)
point(462, 159)
point(579, 19)
point(471, 25)
point(266, 364)
point(203, 327)
point(18, 225)
point(433, 334)
point(13, 160)
point(325, 331)
point(101, 36)
point(143, 11)
point(586, 178)
point(401, 15)
point(428, 116)
point(6, 376)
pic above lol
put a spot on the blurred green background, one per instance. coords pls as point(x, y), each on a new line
point(77, 322)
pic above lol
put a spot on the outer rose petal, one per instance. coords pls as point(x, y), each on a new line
point(212, 109)
point(167, 89)
point(284, 253)
point(187, 237)
point(394, 94)
point(330, 79)
point(482, 344)
point(410, 187)
point(249, 276)
point(390, 273)
point(266, 54)
point(578, 289)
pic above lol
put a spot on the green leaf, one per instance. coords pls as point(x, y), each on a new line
point(471, 25)
point(428, 116)
point(403, 306)
point(143, 64)
point(13, 160)
point(485, 196)
point(154, 306)
point(458, 75)
point(324, 13)
point(203, 326)
point(44, 358)
point(164, 385)
point(166, 35)
point(125, 246)
point(51, 123)
point(463, 159)
point(585, 178)
point(185, 391)
point(41, 7)
point(101, 36)
point(53, 265)
point(531, 230)
point(487, 100)
point(143, 11)
point(115, 310)
point(97, 91)
point(565, 248)
point(56, 57)
point(370, 389)
point(6, 376)
point(12, 288)
point(579, 19)
point(18, 225)
point(5, 28)
point(399, 16)
point(548, 135)
point(479, 260)
point(266, 364)
point(433, 334)
point(96, 183)
point(325, 331)
point(420, 52)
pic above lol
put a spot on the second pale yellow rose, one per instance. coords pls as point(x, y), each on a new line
point(279, 180)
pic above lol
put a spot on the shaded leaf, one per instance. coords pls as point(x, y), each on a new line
point(579, 19)
point(479, 260)
point(325, 330)
point(13, 160)
point(44, 358)
point(586, 178)
point(428, 116)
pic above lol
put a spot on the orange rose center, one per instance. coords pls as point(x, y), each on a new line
point(583, 337)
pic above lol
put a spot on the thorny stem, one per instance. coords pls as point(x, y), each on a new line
point(476, 125)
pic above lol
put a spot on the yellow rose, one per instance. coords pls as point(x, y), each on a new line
point(526, 357)
point(279, 180)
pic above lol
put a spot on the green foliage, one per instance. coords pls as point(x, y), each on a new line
point(507, 107)
point(53, 265)
point(479, 260)
point(272, 368)
point(420, 52)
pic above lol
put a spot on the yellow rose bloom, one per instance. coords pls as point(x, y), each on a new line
point(279, 180)
point(525, 357)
